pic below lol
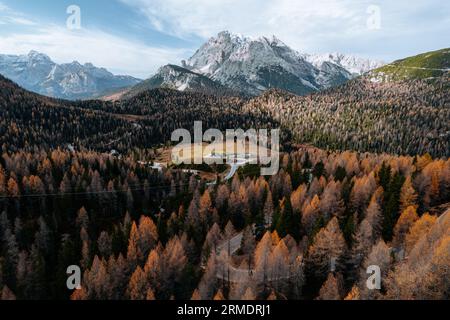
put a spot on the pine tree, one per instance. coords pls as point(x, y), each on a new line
point(288, 222)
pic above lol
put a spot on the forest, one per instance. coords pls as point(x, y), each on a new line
point(308, 232)
point(403, 118)
point(364, 180)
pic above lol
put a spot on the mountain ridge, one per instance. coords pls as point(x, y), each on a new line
point(258, 64)
point(38, 73)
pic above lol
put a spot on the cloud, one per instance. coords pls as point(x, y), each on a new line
point(118, 55)
point(292, 21)
point(310, 26)
point(9, 16)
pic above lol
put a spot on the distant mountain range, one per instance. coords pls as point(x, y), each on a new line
point(227, 64)
point(38, 73)
point(251, 66)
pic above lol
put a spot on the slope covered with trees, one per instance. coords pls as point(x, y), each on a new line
point(408, 117)
point(308, 232)
point(423, 66)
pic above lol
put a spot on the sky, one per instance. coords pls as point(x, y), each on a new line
point(136, 37)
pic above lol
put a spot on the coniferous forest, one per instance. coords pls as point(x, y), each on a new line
point(364, 180)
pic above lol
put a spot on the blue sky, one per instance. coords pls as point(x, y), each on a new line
point(137, 36)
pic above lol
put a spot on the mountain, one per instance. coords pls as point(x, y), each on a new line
point(402, 117)
point(423, 66)
point(181, 79)
point(254, 65)
point(352, 64)
point(38, 73)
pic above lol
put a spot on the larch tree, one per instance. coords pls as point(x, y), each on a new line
point(362, 190)
point(418, 230)
point(353, 294)
point(262, 255)
point(379, 256)
point(279, 265)
point(193, 216)
point(311, 214)
point(229, 230)
point(219, 296)
point(297, 198)
point(248, 245)
point(328, 248)
point(7, 294)
point(268, 211)
point(196, 296)
point(104, 244)
point(213, 239)
point(331, 203)
point(248, 295)
point(222, 196)
point(272, 296)
point(331, 289)
point(150, 296)
point(205, 208)
point(368, 232)
point(153, 270)
point(82, 220)
point(134, 254)
point(148, 235)
point(174, 262)
point(408, 195)
point(405, 222)
point(96, 280)
point(138, 285)
point(208, 282)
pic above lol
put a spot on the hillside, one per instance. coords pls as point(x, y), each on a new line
point(28, 120)
point(423, 66)
point(409, 117)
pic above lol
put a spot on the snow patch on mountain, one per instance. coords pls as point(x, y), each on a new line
point(252, 65)
point(353, 64)
point(37, 72)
